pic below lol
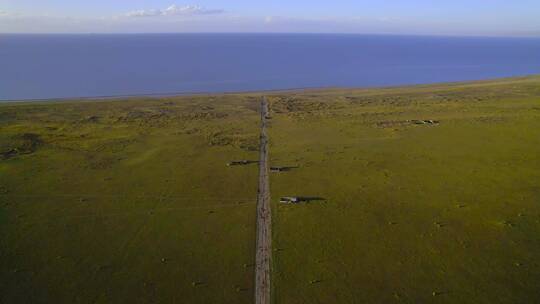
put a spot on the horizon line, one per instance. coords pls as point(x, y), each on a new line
point(276, 33)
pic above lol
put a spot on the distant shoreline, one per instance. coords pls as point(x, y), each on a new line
point(258, 92)
point(532, 35)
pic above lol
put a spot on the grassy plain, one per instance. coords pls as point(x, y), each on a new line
point(128, 201)
point(414, 213)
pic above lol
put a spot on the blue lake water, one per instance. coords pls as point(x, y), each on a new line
point(61, 66)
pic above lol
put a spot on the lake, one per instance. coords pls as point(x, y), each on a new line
point(92, 65)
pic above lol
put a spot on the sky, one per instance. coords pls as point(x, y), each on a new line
point(413, 17)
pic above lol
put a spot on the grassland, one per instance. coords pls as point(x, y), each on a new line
point(130, 201)
point(414, 213)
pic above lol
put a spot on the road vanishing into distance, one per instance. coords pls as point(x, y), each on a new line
point(264, 218)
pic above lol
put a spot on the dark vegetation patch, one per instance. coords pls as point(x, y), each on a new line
point(387, 100)
point(191, 131)
point(99, 162)
point(115, 145)
point(253, 104)
point(3, 190)
point(203, 115)
point(26, 143)
point(7, 116)
point(143, 115)
point(248, 142)
point(294, 106)
point(91, 119)
point(163, 115)
point(393, 123)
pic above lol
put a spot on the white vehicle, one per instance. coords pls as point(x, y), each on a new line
point(289, 200)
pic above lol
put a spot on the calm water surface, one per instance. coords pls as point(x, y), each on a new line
point(60, 66)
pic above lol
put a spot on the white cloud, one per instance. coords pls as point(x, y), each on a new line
point(191, 18)
point(175, 10)
point(144, 13)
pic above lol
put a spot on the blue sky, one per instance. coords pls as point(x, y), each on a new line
point(442, 17)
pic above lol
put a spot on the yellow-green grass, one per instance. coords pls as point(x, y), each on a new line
point(414, 213)
point(128, 201)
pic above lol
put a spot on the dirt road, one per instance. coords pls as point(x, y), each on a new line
point(264, 219)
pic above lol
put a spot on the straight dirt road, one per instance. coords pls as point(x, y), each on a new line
point(264, 219)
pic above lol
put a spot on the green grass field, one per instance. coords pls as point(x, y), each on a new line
point(414, 213)
point(131, 201)
point(128, 201)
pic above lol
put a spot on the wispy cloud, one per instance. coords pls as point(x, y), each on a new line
point(175, 10)
point(194, 18)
